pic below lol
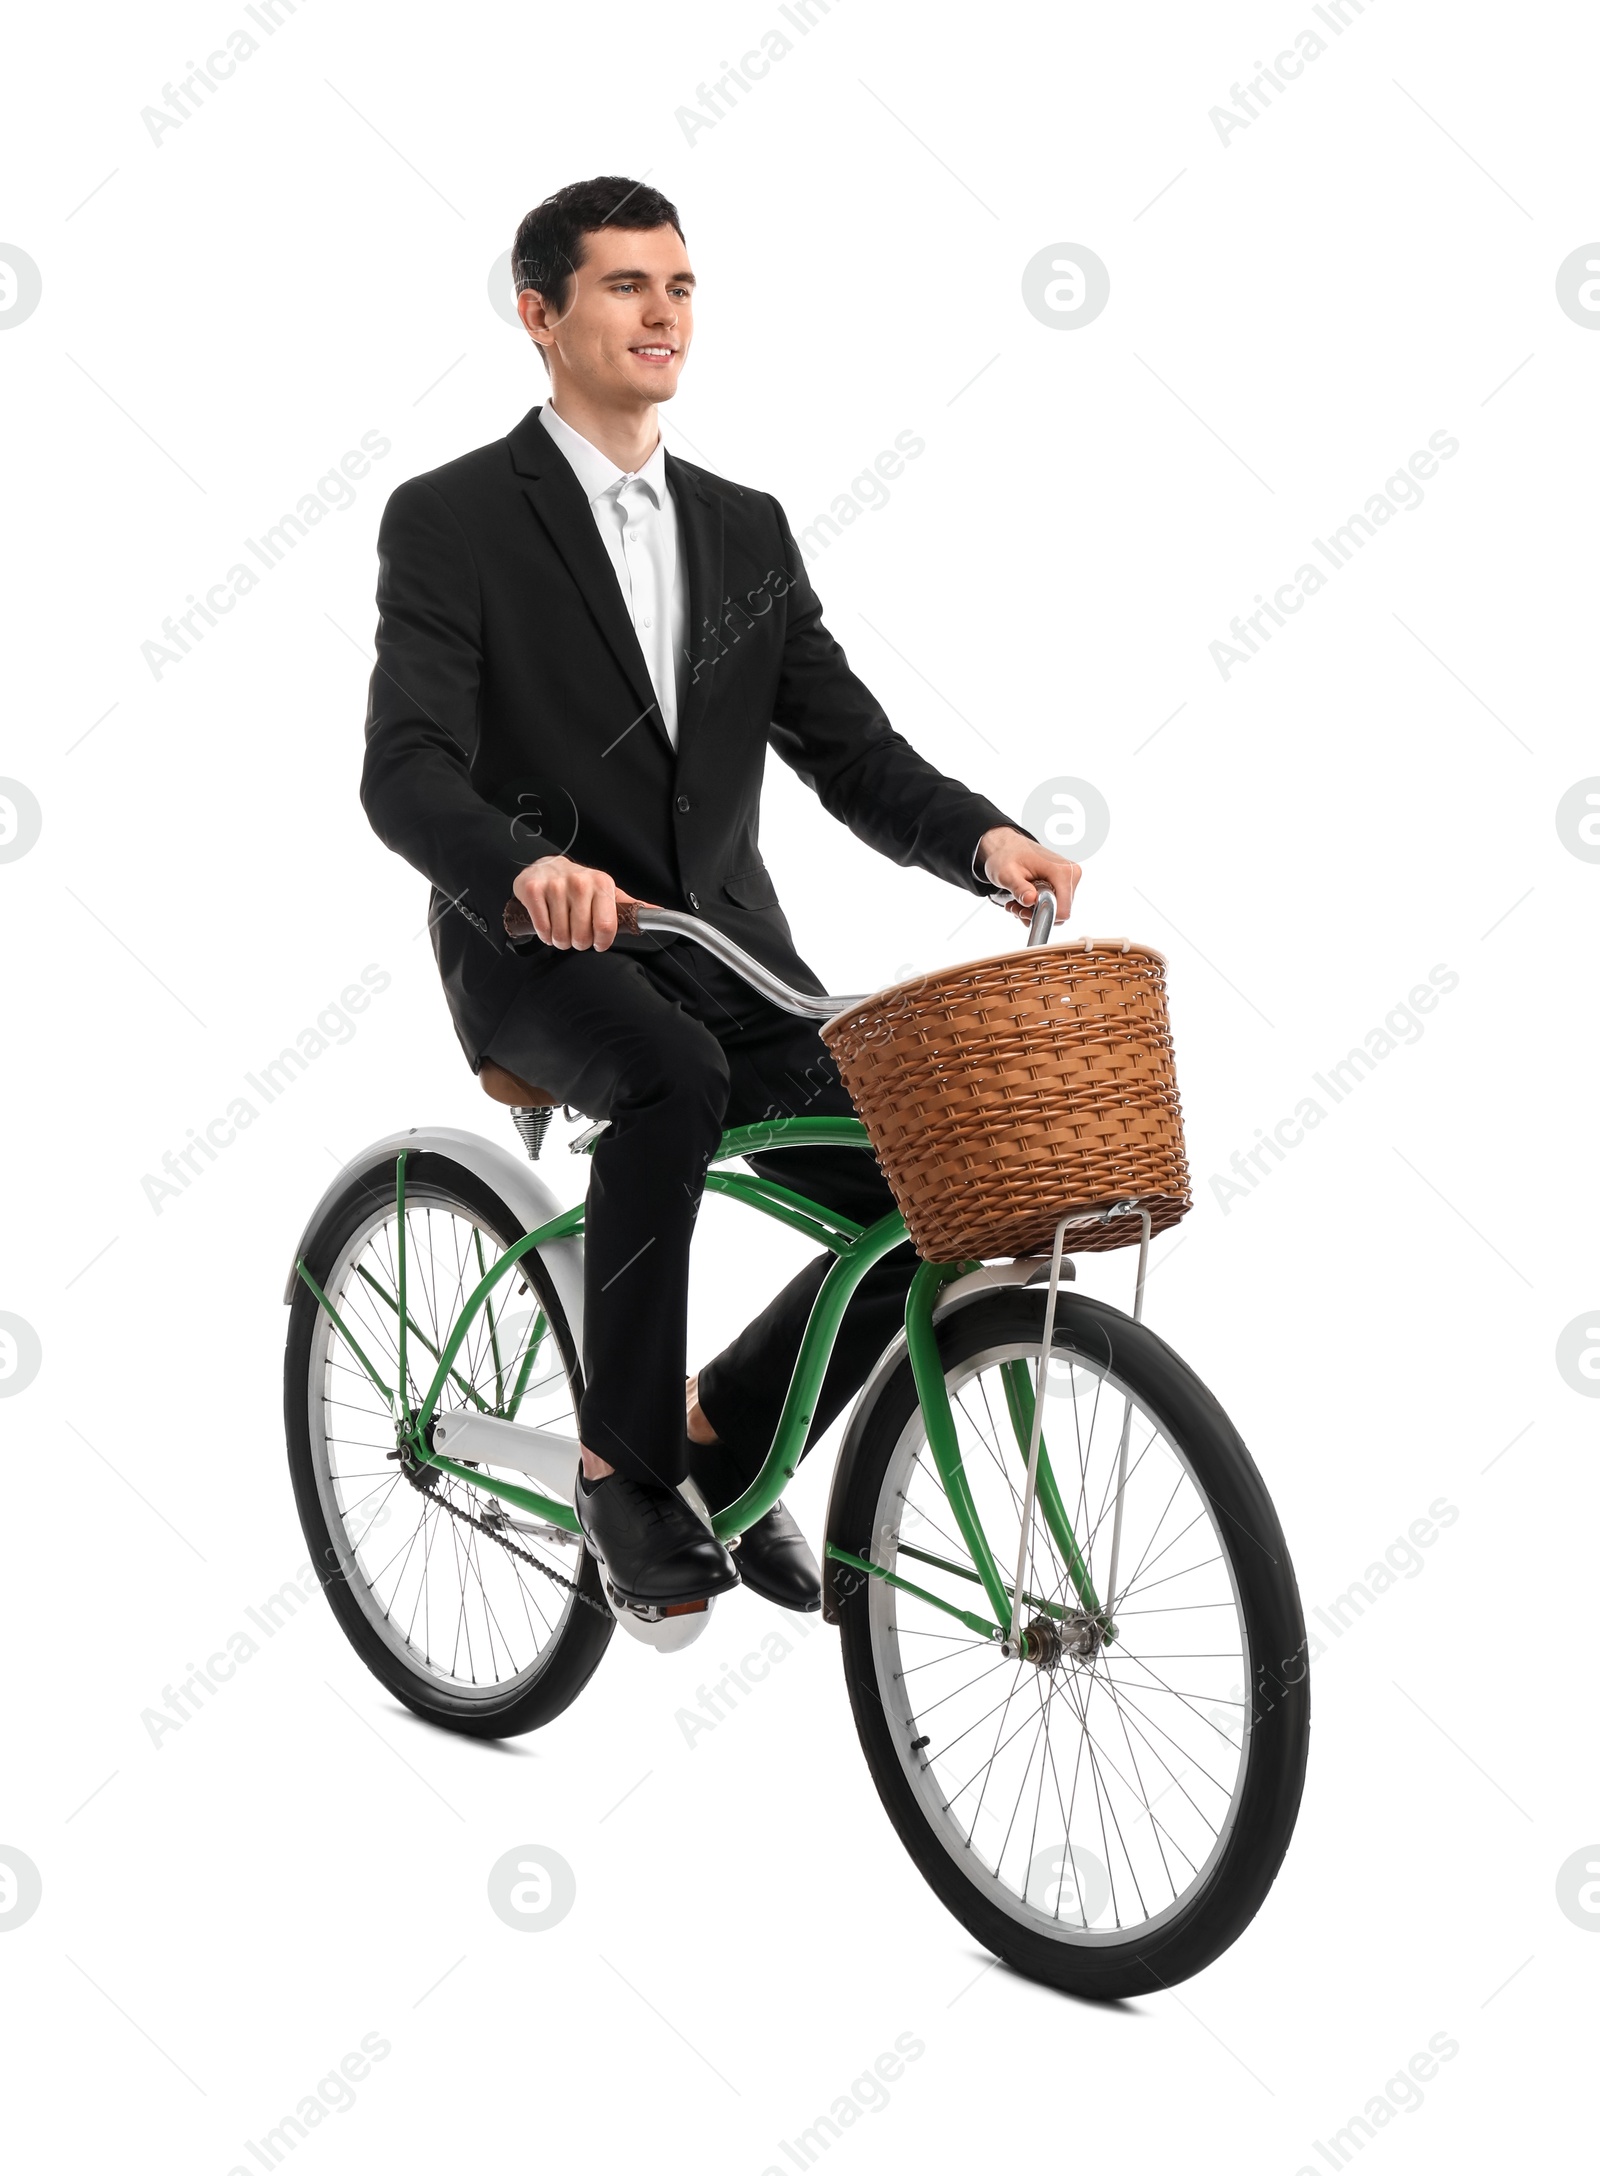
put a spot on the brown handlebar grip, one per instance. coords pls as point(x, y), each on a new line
point(519, 922)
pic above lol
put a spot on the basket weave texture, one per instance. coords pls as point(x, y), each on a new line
point(1002, 1094)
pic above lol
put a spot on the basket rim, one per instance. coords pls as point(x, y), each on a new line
point(1123, 945)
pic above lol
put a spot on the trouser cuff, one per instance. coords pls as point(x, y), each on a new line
point(745, 1427)
point(719, 1473)
point(660, 1460)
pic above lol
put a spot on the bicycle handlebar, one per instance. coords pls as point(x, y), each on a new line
point(634, 918)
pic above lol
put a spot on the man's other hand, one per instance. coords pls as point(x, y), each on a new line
point(571, 906)
point(1019, 865)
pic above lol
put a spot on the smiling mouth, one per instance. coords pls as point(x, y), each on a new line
point(654, 353)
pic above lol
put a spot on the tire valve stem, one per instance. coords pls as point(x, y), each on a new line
point(918, 1743)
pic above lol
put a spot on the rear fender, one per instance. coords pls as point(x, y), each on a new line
point(512, 1178)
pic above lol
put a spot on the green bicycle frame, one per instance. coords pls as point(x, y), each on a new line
point(855, 1248)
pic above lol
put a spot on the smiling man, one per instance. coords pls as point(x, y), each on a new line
point(585, 648)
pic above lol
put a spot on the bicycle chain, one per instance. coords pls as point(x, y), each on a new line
point(514, 1549)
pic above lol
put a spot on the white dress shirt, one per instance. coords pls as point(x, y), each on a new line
point(638, 525)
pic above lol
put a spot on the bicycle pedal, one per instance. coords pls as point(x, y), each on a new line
point(655, 1612)
point(665, 1626)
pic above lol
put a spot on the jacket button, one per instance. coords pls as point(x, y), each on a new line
point(683, 803)
point(694, 902)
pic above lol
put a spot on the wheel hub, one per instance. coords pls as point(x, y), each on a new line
point(422, 1477)
point(1049, 1642)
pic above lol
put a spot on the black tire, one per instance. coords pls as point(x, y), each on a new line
point(584, 1624)
point(1266, 1770)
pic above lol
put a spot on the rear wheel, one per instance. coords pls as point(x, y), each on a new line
point(476, 1616)
point(1108, 1814)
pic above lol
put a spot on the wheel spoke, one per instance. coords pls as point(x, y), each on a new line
point(1089, 1792)
point(464, 1598)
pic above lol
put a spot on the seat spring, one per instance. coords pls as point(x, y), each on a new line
point(532, 1122)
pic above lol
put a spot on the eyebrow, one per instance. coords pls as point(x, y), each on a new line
point(674, 279)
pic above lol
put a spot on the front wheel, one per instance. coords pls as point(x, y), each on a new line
point(1107, 1814)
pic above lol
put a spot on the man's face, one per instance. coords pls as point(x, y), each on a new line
point(626, 328)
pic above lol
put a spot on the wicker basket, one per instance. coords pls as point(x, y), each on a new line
point(1003, 1094)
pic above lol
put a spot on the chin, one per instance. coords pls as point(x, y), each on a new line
point(649, 384)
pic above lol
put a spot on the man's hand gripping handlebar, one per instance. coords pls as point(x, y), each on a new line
point(635, 917)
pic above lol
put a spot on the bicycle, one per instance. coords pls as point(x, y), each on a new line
point(1075, 1654)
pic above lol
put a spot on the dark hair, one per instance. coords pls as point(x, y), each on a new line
point(549, 245)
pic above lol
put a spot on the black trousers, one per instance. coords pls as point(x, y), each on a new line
point(671, 1047)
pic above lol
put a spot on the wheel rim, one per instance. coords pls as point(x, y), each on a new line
point(1088, 1798)
point(447, 1597)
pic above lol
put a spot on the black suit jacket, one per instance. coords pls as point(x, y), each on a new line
point(511, 715)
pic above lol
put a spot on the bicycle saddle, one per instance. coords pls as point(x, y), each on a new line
point(507, 1088)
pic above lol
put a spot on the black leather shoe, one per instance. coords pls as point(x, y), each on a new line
point(776, 1563)
point(652, 1549)
point(773, 1558)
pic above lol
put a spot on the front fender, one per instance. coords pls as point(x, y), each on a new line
point(511, 1177)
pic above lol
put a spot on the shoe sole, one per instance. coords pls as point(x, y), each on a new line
point(678, 1605)
point(666, 1603)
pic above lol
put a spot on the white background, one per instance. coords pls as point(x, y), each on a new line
point(1291, 315)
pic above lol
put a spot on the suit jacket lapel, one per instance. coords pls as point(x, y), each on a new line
point(558, 501)
point(700, 534)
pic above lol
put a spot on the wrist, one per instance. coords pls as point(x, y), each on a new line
point(1000, 835)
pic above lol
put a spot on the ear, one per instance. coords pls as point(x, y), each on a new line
point(531, 310)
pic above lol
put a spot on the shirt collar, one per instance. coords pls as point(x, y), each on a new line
point(595, 471)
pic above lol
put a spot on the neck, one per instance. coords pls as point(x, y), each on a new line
point(627, 435)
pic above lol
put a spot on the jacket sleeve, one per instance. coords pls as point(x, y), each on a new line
point(422, 712)
point(832, 732)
